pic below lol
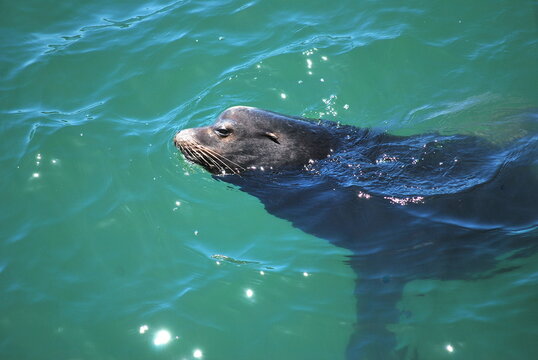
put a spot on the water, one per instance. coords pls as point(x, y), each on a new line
point(105, 229)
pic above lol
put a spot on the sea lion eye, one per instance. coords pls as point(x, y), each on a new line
point(223, 132)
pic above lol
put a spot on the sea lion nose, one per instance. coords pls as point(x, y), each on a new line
point(182, 136)
point(176, 139)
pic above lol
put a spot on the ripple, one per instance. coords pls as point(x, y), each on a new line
point(92, 96)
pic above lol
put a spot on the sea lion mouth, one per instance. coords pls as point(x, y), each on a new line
point(208, 158)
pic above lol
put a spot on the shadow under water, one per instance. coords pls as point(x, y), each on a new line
point(428, 206)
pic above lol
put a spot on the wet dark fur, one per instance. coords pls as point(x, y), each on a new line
point(408, 208)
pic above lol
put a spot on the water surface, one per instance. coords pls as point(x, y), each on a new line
point(105, 229)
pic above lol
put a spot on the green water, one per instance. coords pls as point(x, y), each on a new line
point(105, 229)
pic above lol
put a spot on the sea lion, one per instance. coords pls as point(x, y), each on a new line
point(408, 208)
point(247, 138)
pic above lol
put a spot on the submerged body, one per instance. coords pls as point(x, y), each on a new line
point(426, 206)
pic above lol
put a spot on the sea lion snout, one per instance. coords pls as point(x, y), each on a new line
point(183, 136)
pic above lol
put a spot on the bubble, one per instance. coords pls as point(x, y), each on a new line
point(197, 353)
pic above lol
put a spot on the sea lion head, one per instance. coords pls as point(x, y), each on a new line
point(247, 138)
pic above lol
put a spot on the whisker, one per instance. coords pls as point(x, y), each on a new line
point(188, 149)
point(208, 157)
point(216, 158)
point(211, 154)
point(196, 152)
point(223, 157)
point(191, 153)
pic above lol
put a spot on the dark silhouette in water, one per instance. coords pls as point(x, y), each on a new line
point(419, 207)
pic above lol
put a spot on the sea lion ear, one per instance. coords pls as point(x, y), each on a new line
point(272, 136)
